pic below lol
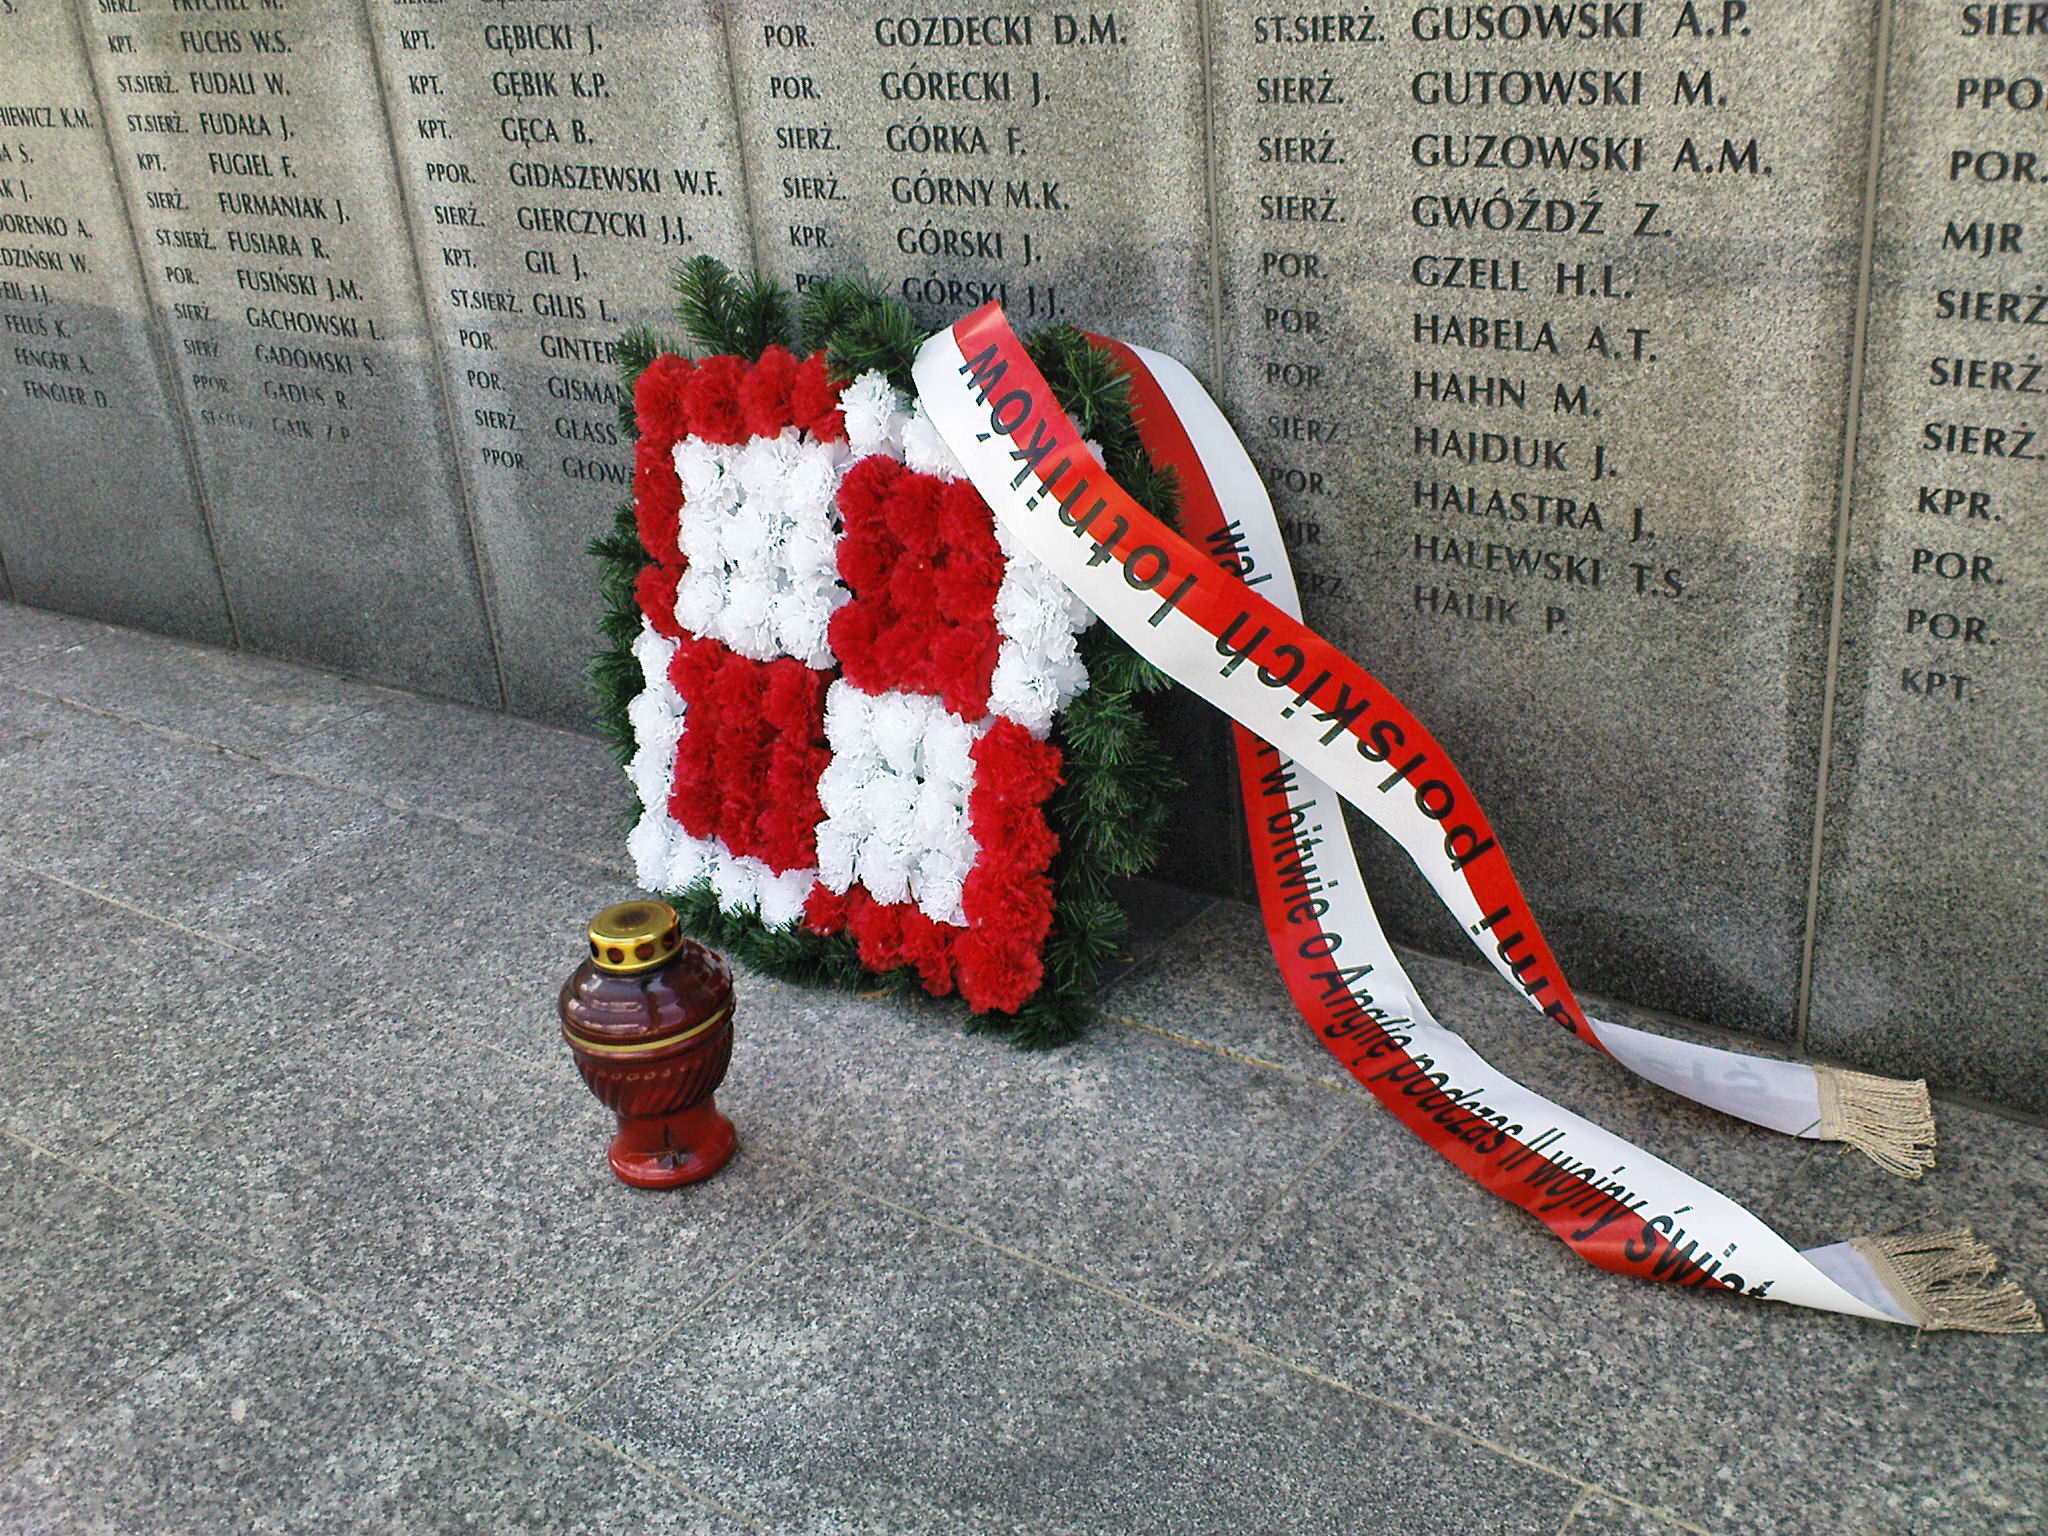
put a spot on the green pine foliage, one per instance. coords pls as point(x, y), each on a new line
point(1111, 810)
point(860, 330)
point(726, 314)
point(793, 953)
point(614, 672)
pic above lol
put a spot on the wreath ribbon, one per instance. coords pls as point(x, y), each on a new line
point(1312, 726)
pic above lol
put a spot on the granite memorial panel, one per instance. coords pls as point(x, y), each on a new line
point(1928, 956)
point(282, 277)
point(557, 167)
point(1052, 160)
point(1539, 318)
point(97, 463)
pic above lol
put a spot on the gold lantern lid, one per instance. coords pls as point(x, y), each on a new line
point(634, 937)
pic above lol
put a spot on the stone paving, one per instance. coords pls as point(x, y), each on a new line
point(307, 1226)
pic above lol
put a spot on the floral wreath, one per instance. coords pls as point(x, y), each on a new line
point(871, 740)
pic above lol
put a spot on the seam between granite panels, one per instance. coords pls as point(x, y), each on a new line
point(1845, 508)
point(36, 1443)
point(1205, 46)
point(128, 906)
point(437, 349)
point(154, 728)
point(704, 1303)
point(728, 61)
point(1213, 1049)
point(1573, 1513)
point(134, 1127)
point(1145, 966)
point(1252, 1351)
point(292, 1285)
point(1231, 1250)
point(461, 1368)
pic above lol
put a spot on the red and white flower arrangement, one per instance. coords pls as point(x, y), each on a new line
point(848, 679)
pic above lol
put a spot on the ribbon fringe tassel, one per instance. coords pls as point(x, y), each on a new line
point(1888, 1121)
point(1939, 1275)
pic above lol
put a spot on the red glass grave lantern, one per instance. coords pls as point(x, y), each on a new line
point(648, 1018)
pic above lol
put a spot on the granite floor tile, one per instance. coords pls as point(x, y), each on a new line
point(289, 1418)
point(435, 920)
point(112, 1015)
point(1389, 1271)
point(1121, 1155)
point(29, 723)
point(456, 1197)
point(27, 632)
point(510, 775)
point(94, 1291)
point(176, 828)
point(1217, 984)
point(879, 1374)
point(236, 698)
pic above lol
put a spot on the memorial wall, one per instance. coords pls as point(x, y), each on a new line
point(1643, 387)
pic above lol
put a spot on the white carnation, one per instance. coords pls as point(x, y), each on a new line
point(896, 726)
point(947, 748)
point(875, 414)
point(735, 880)
point(884, 869)
point(939, 813)
point(648, 843)
point(783, 895)
point(925, 451)
point(838, 849)
point(690, 860)
point(654, 651)
point(847, 712)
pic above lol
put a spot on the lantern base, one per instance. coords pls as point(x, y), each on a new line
point(663, 1151)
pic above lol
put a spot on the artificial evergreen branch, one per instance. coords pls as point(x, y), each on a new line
point(860, 330)
point(726, 314)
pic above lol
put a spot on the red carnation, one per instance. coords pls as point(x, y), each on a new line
point(996, 974)
point(1012, 767)
point(713, 410)
point(852, 632)
point(866, 556)
point(814, 400)
point(792, 713)
point(657, 500)
point(963, 663)
point(864, 489)
point(928, 946)
point(965, 588)
point(912, 511)
point(658, 397)
point(908, 589)
point(655, 591)
point(764, 396)
point(693, 800)
point(825, 909)
point(877, 927)
point(965, 522)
